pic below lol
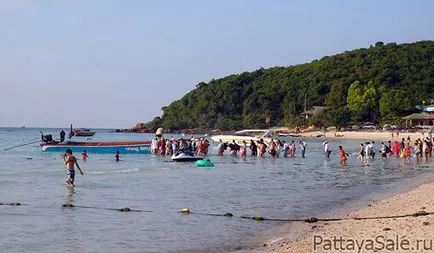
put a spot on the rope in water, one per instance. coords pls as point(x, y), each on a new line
point(24, 144)
point(187, 211)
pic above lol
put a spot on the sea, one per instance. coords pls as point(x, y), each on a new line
point(54, 218)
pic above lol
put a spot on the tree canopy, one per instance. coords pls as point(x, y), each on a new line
point(378, 84)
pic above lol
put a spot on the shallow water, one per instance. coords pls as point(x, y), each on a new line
point(273, 188)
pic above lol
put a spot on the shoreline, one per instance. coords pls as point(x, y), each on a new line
point(351, 135)
point(416, 197)
point(366, 136)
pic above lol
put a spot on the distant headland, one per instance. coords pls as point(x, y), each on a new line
point(380, 84)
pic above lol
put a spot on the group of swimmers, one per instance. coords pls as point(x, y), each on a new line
point(84, 156)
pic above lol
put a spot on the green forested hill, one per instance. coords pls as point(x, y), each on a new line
point(379, 84)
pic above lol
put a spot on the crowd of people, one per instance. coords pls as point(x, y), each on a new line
point(275, 148)
point(403, 149)
point(261, 148)
point(200, 147)
point(162, 146)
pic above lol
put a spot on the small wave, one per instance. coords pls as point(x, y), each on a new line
point(96, 172)
point(126, 170)
point(112, 172)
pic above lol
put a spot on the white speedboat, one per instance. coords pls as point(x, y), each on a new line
point(289, 135)
point(246, 135)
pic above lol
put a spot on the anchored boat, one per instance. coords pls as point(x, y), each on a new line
point(124, 147)
point(83, 132)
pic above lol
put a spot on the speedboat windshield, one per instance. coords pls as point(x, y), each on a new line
point(253, 133)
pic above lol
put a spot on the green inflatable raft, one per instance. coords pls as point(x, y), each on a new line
point(204, 163)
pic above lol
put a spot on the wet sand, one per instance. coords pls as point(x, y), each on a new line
point(406, 234)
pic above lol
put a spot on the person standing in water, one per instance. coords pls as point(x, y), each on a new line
point(272, 150)
point(285, 149)
point(84, 155)
point(243, 150)
point(343, 156)
point(407, 153)
point(117, 156)
point(262, 148)
point(417, 151)
point(384, 150)
point(396, 148)
point(303, 148)
point(154, 146)
point(361, 155)
point(70, 161)
point(221, 147)
point(373, 149)
point(292, 149)
point(253, 148)
point(327, 149)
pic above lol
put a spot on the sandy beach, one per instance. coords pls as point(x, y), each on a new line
point(366, 135)
point(406, 234)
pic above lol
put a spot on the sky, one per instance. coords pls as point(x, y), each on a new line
point(111, 63)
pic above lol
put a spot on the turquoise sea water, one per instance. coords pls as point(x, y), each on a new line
point(274, 188)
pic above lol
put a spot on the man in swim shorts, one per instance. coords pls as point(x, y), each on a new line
point(70, 161)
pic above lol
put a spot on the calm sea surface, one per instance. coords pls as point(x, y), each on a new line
point(273, 188)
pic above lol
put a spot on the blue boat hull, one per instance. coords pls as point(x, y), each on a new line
point(123, 149)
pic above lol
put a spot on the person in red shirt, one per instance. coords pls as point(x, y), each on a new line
point(343, 156)
point(205, 147)
point(162, 146)
point(200, 148)
point(396, 148)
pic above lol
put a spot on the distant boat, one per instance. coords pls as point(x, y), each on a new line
point(83, 132)
point(124, 147)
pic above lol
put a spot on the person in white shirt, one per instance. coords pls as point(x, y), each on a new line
point(154, 146)
point(373, 149)
point(327, 149)
point(368, 150)
point(285, 149)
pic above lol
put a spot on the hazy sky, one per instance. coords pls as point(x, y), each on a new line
point(113, 63)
